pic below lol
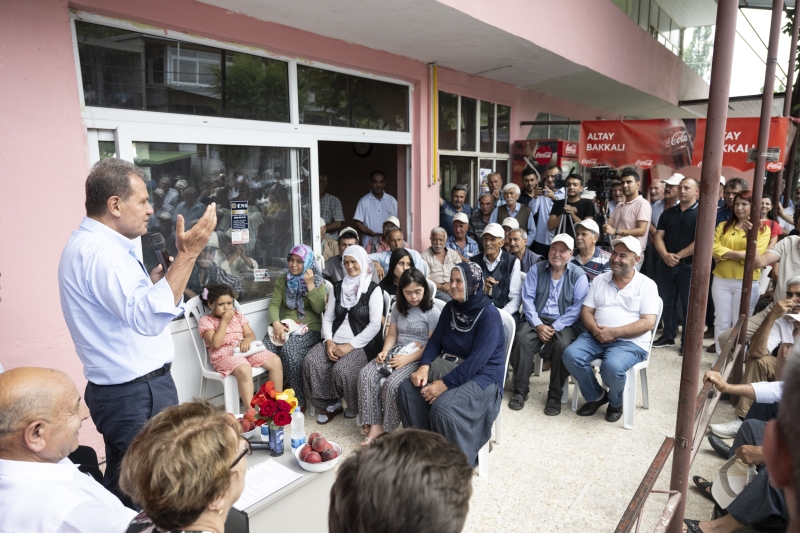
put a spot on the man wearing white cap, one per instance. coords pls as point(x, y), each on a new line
point(394, 238)
point(552, 298)
point(500, 271)
point(666, 195)
point(590, 257)
point(619, 313)
point(379, 244)
point(374, 207)
point(512, 208)
point(509, 224)
point(459, 241)
point(674, 242)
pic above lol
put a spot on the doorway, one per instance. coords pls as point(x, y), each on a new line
point(348, 166)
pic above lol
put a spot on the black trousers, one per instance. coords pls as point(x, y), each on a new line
point(541, 249)
point(671, 280)
point(526, 344)
point(86, 459)
point(119, 412)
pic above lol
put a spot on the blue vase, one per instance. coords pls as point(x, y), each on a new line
point(276, 439)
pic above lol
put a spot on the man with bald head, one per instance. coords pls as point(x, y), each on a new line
point(40, 489)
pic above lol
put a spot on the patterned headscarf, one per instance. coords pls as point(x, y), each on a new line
point(465, 314)
point(296, 288)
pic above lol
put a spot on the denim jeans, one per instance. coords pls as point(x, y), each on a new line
point(673, 287)
point(617, 356)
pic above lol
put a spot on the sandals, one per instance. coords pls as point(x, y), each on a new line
point(705, 487)
point(365, 430)
point(326, 416)
point(692, 526)
point(369, 440)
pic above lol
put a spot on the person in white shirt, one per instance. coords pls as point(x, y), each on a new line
point(41, 413)
point(117, 313)
point(503, 283)
point(373, 208)
point(619, 313)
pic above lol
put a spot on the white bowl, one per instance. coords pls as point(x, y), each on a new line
point(319, 467)
point(248, 434)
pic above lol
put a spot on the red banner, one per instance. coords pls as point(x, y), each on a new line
point(677, 143)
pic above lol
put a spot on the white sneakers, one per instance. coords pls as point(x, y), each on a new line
point(726, 430)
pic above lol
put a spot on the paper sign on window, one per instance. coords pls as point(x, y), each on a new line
point(240, 229)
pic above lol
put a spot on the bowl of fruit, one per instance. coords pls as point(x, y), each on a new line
point(318, 454)
point(248, 423)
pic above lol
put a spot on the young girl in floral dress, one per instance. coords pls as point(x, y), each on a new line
point(225, 329)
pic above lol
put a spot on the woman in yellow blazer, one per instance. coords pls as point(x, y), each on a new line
point(730, 243)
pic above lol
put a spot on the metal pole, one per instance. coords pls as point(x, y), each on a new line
point(721, 63)
point(787, 111)
point(758, 183)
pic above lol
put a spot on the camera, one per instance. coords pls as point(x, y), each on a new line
point(600, 182)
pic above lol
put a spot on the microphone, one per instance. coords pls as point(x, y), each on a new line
point(160, 246)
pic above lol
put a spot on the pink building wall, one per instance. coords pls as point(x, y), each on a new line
point(45, 155)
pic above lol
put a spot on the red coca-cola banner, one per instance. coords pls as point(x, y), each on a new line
point(676, 143)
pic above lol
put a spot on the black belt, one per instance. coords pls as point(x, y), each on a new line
point(157, 373)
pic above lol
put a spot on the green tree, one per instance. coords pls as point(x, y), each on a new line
point(698, 53)
point(256, 88)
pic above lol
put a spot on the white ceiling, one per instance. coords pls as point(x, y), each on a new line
point(691, 13)
point(432, 32)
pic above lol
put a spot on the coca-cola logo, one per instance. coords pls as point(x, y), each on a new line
point(543, 155)
point(774, 166)
point(570, 148)
point(644, 163)
point(678, 137)
point(588, 162)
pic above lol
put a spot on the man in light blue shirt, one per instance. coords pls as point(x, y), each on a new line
point(373, 208)
point(552, 299)
point(394, 238)
point(118, 315)
point(513, 209)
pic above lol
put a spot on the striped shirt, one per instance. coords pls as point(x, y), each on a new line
point(596, 265)
point(469, 250)
point(330, 210)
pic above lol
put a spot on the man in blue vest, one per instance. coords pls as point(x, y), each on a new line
point(500, 270)
point(552, 298)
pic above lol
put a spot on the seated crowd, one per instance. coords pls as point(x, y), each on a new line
point(433, 359)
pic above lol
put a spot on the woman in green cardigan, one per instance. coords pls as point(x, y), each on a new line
point(299, 295)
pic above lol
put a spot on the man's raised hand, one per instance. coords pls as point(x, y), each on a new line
point(193, 241)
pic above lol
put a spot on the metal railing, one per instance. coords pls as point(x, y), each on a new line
point(706, 404)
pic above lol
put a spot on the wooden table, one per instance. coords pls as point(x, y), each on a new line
point(299, 506)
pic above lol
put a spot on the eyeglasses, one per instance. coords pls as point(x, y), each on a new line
point(792, 294)
point(247, 451)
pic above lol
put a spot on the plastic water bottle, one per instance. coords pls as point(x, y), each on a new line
point(298, 429)
point(265, 433)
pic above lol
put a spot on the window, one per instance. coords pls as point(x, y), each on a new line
point(468, 118)
point(487, 127)
point(448, 121)
point(185, 178)
point(328, 98)
point(568, 132)
point(124, 69)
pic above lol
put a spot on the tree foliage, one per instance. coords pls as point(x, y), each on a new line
point(699, 51)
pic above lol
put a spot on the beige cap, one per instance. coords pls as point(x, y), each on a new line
point(630, 242)
point(589, 224)
point(675, 179)
point(566, 239)
point(393, 220)
point(722, 180)
point(495, 230)
point(461, 217)
point(181, 184)
point(511, 222)
point(348, 231)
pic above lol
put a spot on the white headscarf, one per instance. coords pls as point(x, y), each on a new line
point(354, 287)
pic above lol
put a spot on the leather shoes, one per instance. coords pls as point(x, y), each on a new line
point(613, 414)
point(712, 348)
point(517, 401)
point(709, 334)
point(719, 446)
point(553, 407)
point(590, 408)
point(663, 341)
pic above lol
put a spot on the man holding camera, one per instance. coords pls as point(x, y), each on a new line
point(631, 217)
point(542, 205)
point(571, 210)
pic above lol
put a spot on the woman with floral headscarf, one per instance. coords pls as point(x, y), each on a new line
point(351, 333)
point(468, 344)
point(299, 295)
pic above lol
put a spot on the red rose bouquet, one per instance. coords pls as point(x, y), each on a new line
point(273, 406)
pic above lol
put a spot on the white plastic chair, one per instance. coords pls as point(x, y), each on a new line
point(194, 308)
point(439, 304)
point(431, 288)
point(629, 393)
point(328, 289)
point(425, 269)
point(510, 329)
